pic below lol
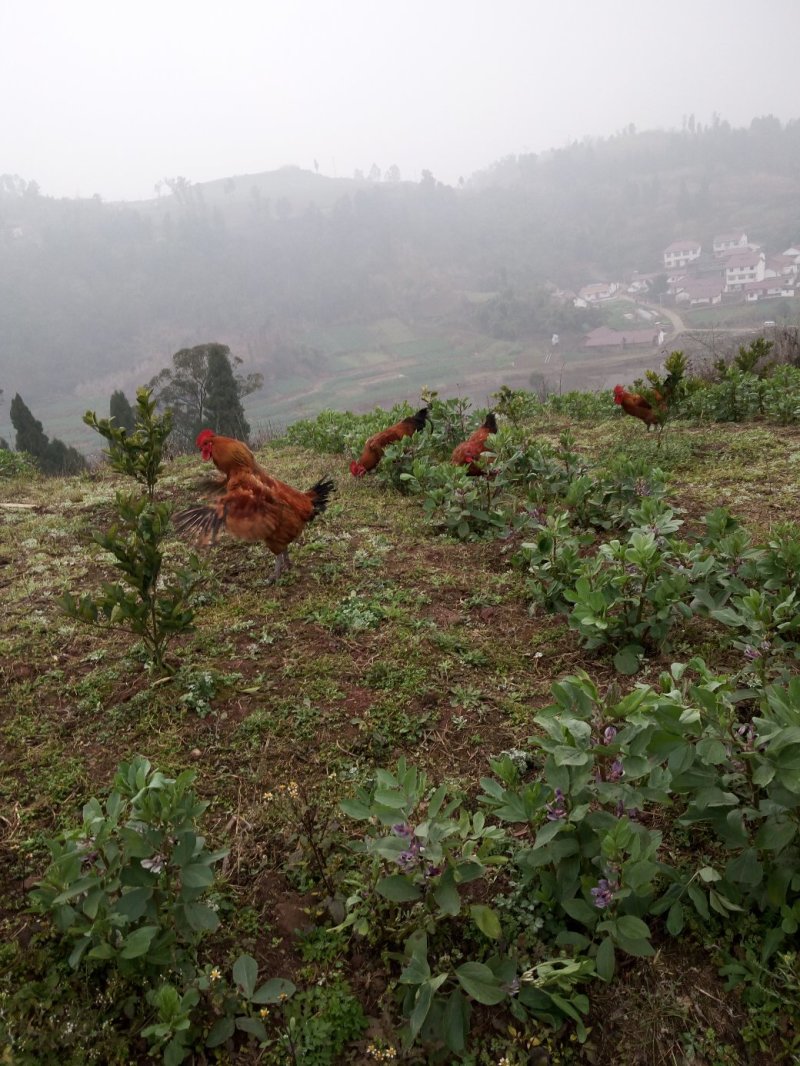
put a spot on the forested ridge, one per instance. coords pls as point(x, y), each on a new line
point(96, 296)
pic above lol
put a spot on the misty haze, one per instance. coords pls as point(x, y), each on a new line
point(400, 533)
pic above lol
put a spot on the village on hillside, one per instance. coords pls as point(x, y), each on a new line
point(735, 271)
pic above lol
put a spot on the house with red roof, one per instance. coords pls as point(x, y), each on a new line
point(700, 292)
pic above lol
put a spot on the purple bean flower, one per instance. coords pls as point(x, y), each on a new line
point(603, 893)
point(402, 829)
point(751, 653)
point(641, 488)
point(556, 811)
point(409, 858)
point(616, 771)
point(609, 734)
point(748, 734)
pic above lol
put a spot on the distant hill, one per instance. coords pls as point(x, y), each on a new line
point(280, 265)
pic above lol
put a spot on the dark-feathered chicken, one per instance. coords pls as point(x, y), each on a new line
point(474, 445)
point(377, 444)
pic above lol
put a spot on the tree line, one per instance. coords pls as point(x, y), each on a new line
point(201, 389)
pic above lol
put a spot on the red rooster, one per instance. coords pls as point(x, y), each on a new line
point(474, 445)
point(375, 446)
point(227, 454)
point(253, 508)
point(633, 403)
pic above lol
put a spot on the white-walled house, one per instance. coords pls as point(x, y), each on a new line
point(679, 253)
point(743, 267)
point(601, 290)
point(728, 242)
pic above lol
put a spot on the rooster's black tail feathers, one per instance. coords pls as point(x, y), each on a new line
point(319, 494)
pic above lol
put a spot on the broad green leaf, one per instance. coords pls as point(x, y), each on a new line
point(547, 832)
point(398, 889)
point(456, 1021)
point(605, 961)
point(138, 942)
point(197, 875)
point(580, 910)
point(446, 894)
point(245, 974)
point(422, 1004)
point(708, 874)
point(355, 809)
point(478, 981)
point(133, 904)
point(253, 1026)
point(273, 991)
point(632, 928)
point(627, 660)
point(698, 897)
point(675, 919)
point(222, 1030)
point(774, 835)
point(390, 798)
point(486, 920)
point(200, 917)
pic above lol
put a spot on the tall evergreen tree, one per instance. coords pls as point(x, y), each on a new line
point(121, 411)
point(30, 438)
point(52, 456)
point(225, 411)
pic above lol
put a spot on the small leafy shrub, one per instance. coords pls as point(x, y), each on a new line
point(127, 889)
point(340, 432)
point(620, 489)
point(138, 454)
point(428, 857)
point(320, 1022)
point(17, 464)
point(129, 896)
point(554, 558)
point(741, 395)
point(463, 506)
point(609, 761)
point(515, 404)
point(436, 852)
point(200, 687)
point(767, 627)
point(143, 603)
point(630, 594)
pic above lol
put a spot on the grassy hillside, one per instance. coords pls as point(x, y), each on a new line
point(391, 639)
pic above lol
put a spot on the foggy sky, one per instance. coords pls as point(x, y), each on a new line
point(109, 98)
